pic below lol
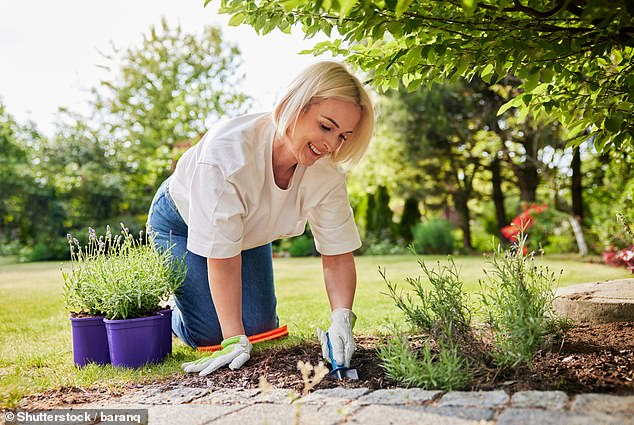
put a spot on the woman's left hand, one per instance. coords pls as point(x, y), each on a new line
point(235, 352)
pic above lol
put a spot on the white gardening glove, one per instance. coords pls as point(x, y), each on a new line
point(235, 352)
point(341, 338)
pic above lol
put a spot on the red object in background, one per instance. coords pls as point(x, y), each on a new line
point(522, 222)
point(623, 257)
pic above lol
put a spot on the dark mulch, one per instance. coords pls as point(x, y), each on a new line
point(592, 358)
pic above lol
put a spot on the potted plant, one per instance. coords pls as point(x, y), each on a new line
point(134, 279)
point(83, 300)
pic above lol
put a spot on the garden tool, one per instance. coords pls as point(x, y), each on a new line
point(280, 332)
point(340, 371)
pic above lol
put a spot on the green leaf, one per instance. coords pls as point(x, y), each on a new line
point(469, 6)
point(487, 72)
point(412, 57)
point(402, 6)
point(613, 124)
point(289, 5)
point(531, 82)
point(346, 6)
point(237, 19)
point(547, 74)
point(513, 103)
point(462, 65)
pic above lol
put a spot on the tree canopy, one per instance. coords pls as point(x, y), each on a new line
point(574, 57)
point(104, 167)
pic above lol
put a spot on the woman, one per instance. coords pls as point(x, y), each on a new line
point(255, 179)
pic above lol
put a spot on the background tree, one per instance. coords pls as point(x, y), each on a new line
point(104, 167)
point(15, 177)
point(379, 225)
point(573, 56)
point(167, 90)
point(409, 218)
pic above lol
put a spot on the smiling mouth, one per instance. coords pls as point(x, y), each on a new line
point(314, 149)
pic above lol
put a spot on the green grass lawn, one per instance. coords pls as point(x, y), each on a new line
point(36, 349)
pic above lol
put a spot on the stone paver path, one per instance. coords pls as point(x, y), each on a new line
point(362, 406)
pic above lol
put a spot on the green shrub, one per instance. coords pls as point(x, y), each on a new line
point(383, 247)
point(562, 243)
point(446, 370)
point(517, 301)
point(517, 304)
point(410, 217)
point(379, 224)
point(442, 311)
point(551, 226)
point(302, 246)
point(433, 237)
point(442, 314)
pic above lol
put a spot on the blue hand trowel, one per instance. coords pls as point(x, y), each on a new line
point(340, 371)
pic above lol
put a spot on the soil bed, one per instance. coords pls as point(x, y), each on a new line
point(592, 359)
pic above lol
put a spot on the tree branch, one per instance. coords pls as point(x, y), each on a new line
point(519, 7)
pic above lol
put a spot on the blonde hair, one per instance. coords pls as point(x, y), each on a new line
point(321, 81)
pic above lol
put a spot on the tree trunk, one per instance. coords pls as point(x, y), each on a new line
point(528, 180)
point(577, 188)
point(464, 217)
point(498, 196)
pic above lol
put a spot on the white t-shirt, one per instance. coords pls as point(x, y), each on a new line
point(224, 189)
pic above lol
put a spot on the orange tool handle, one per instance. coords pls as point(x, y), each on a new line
point(254, 339)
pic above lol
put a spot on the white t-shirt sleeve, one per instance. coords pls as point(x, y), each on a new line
point(216, 214)
point(332, 224)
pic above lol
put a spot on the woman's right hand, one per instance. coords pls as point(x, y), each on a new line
point(235, 352)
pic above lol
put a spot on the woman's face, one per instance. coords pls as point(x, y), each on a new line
point(321, 128)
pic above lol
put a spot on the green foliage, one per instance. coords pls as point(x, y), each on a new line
point(410, 217)
point(447, 370)
point(551, 232)
point(437, 144)
point(383, 247)
point(442, 311)
point(25, 192)
point(120, 277)
point(517, 302)
point(45, 249)
point(433, 236)
point(379, 224)
point(627, 225)
point(610, 189)
point(104, 166)
point(164, 92)
point(574, 58)
point(370, 206)
point(13, 170)
point(302, 246)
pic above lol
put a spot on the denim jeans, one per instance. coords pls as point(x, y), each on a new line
point(194, 319)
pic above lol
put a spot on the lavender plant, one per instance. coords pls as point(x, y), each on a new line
point(517, 302)
point(121, 277)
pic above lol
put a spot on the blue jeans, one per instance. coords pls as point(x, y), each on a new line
point(194, 319)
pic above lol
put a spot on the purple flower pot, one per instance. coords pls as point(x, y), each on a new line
point(166, 340)
point(135, 342)
point(90, 342)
